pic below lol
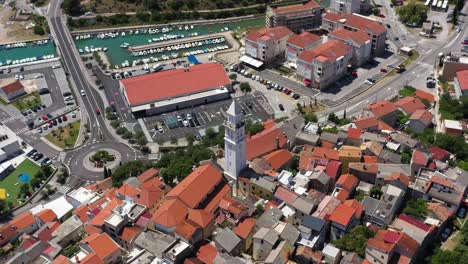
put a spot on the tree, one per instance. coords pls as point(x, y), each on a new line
point(38, 30)
point(333, 118)
point(233, 76)
point(416, 208)
point(24, 189)
point(72, 7)
point(190, 138)
point(129, 169)
point(310, 117)
point(253, 128)
point(375, 11)
point(106, 173)
point(245, 87)
point(356, 240)
point(413, 13)
point(376, 193)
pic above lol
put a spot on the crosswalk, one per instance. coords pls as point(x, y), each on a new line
point(64, 189)
point(23, 130)
point(8, 120)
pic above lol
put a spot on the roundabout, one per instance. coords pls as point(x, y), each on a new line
point(91, 163)
point(79, 163)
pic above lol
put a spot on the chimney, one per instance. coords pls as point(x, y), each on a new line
point(77, 259)
point(364, 167)
point(277, 142)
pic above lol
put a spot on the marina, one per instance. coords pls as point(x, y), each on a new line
point(24, 52)
point(119, 45)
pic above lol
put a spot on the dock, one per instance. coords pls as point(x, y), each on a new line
point(173, 42)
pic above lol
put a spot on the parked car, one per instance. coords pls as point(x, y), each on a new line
point(31, 153)
point(46, 162)
point(281, 107)
point(98, 112)
point(83, 93)
point(461, 213)
point(383, 70)
point(64, 118)
point(49, 116)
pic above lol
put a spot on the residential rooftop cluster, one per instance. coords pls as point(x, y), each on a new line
point(281, 195)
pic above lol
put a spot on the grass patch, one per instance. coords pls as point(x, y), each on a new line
point(412, 58)
point(3, 102)
point(283, 70)
point(407, 91)
point(65, 137)
point(71, 251)
point(27, 101)
point(12, 184)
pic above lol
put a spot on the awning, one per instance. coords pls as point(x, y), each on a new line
point(251, 61)
point(307, 81)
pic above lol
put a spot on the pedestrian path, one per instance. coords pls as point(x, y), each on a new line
point(64, 189)
point(8, 120)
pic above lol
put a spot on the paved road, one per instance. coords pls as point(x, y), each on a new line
point(99, 134)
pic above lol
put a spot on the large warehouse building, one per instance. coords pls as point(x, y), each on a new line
point(176, 89)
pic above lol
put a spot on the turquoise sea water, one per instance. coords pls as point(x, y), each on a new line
point(29, 51)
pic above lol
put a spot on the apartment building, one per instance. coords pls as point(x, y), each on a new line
point(350, 6)
point(359, 40)
point(267, 45)
point(325, 64)
point(296, 17)
point(355, 22)
point(297, 43)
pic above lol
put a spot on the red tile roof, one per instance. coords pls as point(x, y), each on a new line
point(356, 205)
point(195, 187)
point(186, 229)
point(385, 126)
point(398, 176)
point(103, 214)
point(149, 197)
point(304, 39)
point(326, 153)
point(23, 221)
point(360, 37)
point(207, 253)
point(92, 230)
point(285, 195)
point(330, 50)
point(342, 195)
point(410, 104)
point(61, 259)
point(415, 222)
point(47, 215)
point(441, 181)
point(275, 33)
point(232, 206)
point(201, 217)
point(82, 213)
point(127, 190)
point(332, 17)
point(144, 219)
point(6, 232)
point(214, 203)
point(294, 8)
point(369, 159)
point(148, 174)
point(440, 211)
point(366, 122)
point(154, 87)
point(348, 182)
point(386, 241)
point(102, 245)
point(419, 158)
point(264, 142)
point(462, 77)
point(333, 168)
point(100, 186)
point(422, 115)
point(354, 133)
point(91, 259)
point(343, 214)
point(364, 23)
point(129, 233)
point(439, 153)
point(269, 124)
point(245, 227)
point(13, 87)
point(278, 158)
point(382, 108)
point(171, 213)
point(424, 95)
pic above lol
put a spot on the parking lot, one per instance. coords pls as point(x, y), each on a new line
point(196, 120)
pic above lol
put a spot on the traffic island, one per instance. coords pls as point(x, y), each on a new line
point(97, 160)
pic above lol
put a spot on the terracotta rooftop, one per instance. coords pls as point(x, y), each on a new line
point(294, 8)
point(278, 158)
point(424, 95)
point(47, 215)
point(91, 259)
point(304, 39)
point(326, 153)
point(82, 212)
point(129, 233)
point(398, 177)
point(61, 259)
point(441, 181)
point(462, 77)
point(357, 22)
point(275, 33)
point(207, 253)
point(13, 87)
point(232, 206)
point(328, 51)
point(90, 229)
point(127, 190)
point(152, 87)
point(23, 221)
point(149, 197)
point(382, 108)
point(366, 122)
point(354, 133)
point(200, 217)
point(170, 213)
point(419, 158)
point(148, 174)
point(214, 203)
point(410, 104)
point(386, 241)
point(100, 186)
point(359, 37)
point(422, 115)
point(348, 182)
point(103, 214)
point(364, 167)
point(369, 159)
point(6, 232)
point(342, 195)
point(356, 205)
point(285, 195)
point(102, 245)
point(439, 153)
point(343, 214)
point(196, 186)
point(245, 227)
point(440, 211)
point(265, 142)
point(186, 229)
